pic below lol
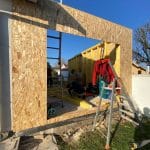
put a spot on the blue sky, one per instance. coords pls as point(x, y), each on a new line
point(129, 13)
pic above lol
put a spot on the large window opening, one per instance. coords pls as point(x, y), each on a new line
point(70, 61)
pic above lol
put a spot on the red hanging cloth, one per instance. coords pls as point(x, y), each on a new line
point(103, 69)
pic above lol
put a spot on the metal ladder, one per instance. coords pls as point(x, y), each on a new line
point(59, 49)
point(126, 107)
point(127, 112)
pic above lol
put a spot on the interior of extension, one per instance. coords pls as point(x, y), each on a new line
point(70, 61)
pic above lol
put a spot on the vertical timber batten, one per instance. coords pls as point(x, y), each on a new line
point(28, 44)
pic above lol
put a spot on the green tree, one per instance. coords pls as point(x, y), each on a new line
point(141, 54)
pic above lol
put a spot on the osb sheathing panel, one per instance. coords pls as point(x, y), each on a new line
point(28, 44)
point(28, 25)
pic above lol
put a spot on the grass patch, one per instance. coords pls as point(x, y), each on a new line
point(124, 135)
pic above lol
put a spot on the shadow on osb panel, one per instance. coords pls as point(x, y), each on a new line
point(49, 13)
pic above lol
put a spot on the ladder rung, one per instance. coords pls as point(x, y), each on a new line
point(118, 88)
point(131, 114)
point(53, 37)
point(129, 119)
point(126, 106)
point(123, 97)
point(125, 103)
point(103, 133)
point(52, 58)
point(53, 48)
point(107, 88)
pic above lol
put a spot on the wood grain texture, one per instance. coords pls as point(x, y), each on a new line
point(28, 44)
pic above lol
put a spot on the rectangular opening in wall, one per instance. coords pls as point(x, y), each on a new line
point(70, 61)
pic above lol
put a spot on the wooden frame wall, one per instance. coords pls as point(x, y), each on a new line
point(29, 23)
point(85, 60)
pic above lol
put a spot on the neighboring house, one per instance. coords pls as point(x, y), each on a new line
point(136, 69)
point(64, 71)
point(57, 70)
point(64, 66)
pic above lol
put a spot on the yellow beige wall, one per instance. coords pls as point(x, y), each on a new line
point(90, 55)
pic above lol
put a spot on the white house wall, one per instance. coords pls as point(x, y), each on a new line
point(141, 92)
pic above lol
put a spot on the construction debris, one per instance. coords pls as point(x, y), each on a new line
point(10, 144)
point(51, 139)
